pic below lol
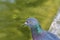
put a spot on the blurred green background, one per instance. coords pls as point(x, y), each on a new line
point(13, 14)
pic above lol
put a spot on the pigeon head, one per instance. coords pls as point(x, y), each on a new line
point(31, 22)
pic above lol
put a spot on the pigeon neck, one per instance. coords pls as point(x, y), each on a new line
point(36, 29)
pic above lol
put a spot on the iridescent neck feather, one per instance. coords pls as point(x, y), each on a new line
point(36, 29)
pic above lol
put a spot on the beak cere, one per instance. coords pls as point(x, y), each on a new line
point(25, 22)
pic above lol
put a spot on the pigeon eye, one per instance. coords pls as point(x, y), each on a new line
point(29, 22)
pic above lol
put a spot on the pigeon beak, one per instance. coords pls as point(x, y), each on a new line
point(25, 23)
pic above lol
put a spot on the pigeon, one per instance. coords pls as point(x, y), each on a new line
point(37, 32)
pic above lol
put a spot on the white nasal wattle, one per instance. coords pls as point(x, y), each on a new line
point(25, 22)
